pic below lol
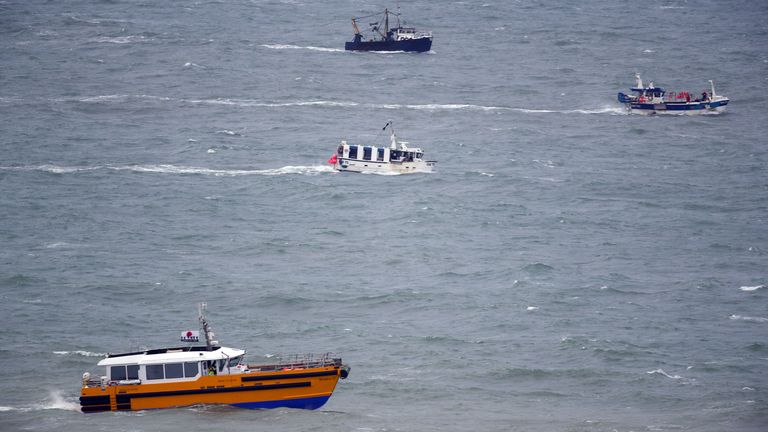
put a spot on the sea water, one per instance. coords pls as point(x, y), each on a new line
point(567, 267)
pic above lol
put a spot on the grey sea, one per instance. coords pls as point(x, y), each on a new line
point(567, 267)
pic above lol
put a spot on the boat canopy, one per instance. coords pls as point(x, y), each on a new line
point(171, 355)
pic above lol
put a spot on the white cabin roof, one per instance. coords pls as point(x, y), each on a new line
point(172, 356)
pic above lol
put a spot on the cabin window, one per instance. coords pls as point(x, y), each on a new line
point(235, 361)
point(117, 373)
point(155, 372)
point(174, 370)
point(394, 155)
point(222, 364)
point(353, 152)
point(190, 369)
point(367, 153)
point(380, 155)
point(133, 372)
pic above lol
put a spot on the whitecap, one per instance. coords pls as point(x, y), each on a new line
point(297, 47)
point(120, 39)
point(532, 308)
point(55, 169)
point(748, 318)
point(752, 288)
point(57, 401)
point(173, 169)
point(661, 372)
point(81, 353)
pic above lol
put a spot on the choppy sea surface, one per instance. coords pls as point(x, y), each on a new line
point(567, 267)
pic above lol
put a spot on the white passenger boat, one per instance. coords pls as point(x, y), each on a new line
point(397, 158)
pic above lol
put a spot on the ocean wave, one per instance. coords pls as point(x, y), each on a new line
point(80, 353)
point(121, 39)
point(752, 288)
point(748, 318)
point(297, 47)
point(55, 401)
point(173, 169)
point(606, 110)
point(49, 168)
point(245, 103)
point(249, 103)
point(661, 372)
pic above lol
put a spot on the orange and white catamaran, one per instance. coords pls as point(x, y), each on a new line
point(209, 374)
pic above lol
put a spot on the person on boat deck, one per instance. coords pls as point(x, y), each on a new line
point(211, 369)
point(704, 97)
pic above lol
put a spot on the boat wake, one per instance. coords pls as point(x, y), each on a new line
point(174, 169)
point(296, 47)
point(253, 103)
point(54, 401)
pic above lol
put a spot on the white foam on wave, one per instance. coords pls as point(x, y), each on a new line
point(748, 318)
point(121, 39)
point(297, 47)
point(246, 103)
point(606, 110)
point(254, 103)
point(661, 372)
point(120, 98)
point(80, 353)
point(57, 401)
point(173, 169)
point(55, 169)
point(752, 288)
point(54, 401)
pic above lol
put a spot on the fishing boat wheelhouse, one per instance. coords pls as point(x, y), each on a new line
point(209, 374)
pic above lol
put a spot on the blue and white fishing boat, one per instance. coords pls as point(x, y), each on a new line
point(397, 158)
point(656, 100)
point(384, 38)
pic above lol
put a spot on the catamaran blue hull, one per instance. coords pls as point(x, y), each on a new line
point(413, 45)
point(302, 403)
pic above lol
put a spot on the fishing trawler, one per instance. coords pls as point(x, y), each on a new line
point(209, 374)
point(397, 38)
point(398, 158)
point(656, 100)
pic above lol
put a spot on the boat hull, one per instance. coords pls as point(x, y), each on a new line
point(298, 388)
point(678, 108)
point(367, 166)
point(411, 45)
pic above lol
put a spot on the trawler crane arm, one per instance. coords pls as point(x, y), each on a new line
point(355, 27)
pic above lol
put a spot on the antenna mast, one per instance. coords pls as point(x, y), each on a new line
point(207, 332)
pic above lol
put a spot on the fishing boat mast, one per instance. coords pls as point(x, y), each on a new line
point(207, 332)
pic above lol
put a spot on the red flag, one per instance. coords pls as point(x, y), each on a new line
point(332, 160)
